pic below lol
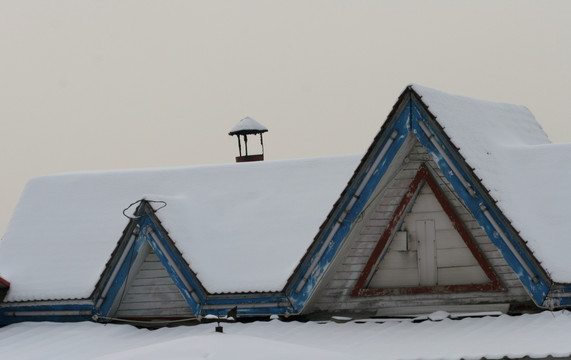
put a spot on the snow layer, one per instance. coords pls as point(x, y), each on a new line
point(241, 227)
point(537, 335)
point(248, 124)
point(527, 174)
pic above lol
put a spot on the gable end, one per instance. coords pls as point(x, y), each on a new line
point(423, 176)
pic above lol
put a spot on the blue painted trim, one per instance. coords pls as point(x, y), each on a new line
point(538, 290)
point(400, 123)
point(560, 296)
point(249, 311)
point(249, 304)
point(405, 122)
point(246, 299)
point(179, 263)
point(122, 275)
point(252, 305)
point(564, 302)
point(6, 318)
point(175, 254)
point(145, 222)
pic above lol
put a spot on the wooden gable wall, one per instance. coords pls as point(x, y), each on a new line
point(151, 293)
point(427, 251)
point(336, 293)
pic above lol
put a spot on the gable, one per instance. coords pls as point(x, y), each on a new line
point(144, 260)
point(346, 285)
point(411, 118)
point(425, 248)
point(150, 292)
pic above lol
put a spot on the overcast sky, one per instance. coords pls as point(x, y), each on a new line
point(87, 85)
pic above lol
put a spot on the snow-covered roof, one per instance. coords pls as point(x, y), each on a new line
point(245, 227)
point(538, 335)
point(527, 174)
point(241, 227)
point(248, 126)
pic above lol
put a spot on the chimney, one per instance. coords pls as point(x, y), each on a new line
point(248, 126)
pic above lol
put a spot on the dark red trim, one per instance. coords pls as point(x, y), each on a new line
point(6, 283)
point(421, 177)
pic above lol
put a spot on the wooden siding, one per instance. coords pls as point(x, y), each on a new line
point(334, 292)
point(434, 253)
point(151, 292)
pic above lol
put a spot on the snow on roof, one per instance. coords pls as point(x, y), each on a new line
point(538, 335)
point(241, 227)
point(249, 126)
point(527, 174)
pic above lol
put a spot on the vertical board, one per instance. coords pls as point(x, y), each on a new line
point(426, 254)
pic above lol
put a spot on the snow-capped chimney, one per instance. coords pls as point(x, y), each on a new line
point(248, 126)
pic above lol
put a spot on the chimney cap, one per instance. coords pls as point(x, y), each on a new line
point(248, 126)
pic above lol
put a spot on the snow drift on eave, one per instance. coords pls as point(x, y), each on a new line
point(241, 227)
point(527, 174)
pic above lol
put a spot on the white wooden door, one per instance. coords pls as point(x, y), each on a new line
point(426, 252)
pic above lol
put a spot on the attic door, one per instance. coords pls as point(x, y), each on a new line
point(427, 250)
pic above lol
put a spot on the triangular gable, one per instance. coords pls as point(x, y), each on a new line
point(410, 117)
point(143, 235)
point(151, 292)
point(423, 178)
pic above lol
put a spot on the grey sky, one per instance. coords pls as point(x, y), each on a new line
point(90, 85)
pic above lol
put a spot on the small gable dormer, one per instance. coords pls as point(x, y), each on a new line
point(147, 280)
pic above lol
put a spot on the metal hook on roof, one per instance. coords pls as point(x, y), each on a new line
point(140, 201)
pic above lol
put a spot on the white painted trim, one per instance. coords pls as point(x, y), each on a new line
point(118, 266)
point(455, 170)
point(508, 243)
point(176, 269)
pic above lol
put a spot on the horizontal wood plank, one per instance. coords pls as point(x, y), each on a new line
point(153, 305)
point(157, 298)
point(395, 260)
point(455, 257)
point(462, 275)
point(148, 289)
point(391, 278)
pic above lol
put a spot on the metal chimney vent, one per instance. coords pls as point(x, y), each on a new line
point(248, 126)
